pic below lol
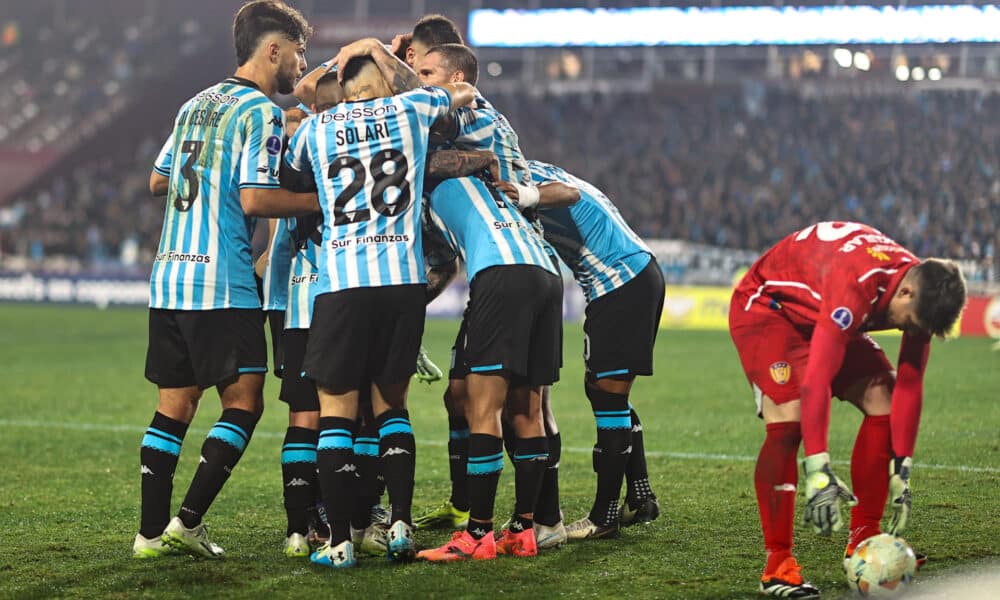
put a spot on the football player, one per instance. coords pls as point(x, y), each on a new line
point(800, 319)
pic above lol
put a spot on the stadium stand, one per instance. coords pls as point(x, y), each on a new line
point(720, 163)
point(726, 166)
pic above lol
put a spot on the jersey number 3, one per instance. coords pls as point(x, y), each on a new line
point(193, 149)
point(384, 177)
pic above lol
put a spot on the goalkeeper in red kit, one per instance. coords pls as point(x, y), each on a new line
point(799, 320)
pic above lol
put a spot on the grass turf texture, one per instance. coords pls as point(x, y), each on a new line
point(75, 405)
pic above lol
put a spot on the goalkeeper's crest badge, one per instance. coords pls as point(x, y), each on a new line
point(781, 372)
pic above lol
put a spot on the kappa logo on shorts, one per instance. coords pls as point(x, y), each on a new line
point(273, 145)
point(843, 317)
point(781, 372)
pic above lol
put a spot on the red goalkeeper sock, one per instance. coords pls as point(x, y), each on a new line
point(869, 477)
point(775, 479)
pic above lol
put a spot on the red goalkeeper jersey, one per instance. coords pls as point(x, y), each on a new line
point(835, 280)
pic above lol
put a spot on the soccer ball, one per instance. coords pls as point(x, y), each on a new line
point(881, 566)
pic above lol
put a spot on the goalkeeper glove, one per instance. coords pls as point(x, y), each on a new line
point(824, 494)
point(899, 493)
point(427, 371)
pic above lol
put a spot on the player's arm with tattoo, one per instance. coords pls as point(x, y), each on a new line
point(445, 164)
point(397, 73)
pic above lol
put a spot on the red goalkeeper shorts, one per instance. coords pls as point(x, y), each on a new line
point(774, 353)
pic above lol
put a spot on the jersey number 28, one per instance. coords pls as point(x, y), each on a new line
point(384, 179)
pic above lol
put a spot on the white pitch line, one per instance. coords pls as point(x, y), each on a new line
point(441, 443)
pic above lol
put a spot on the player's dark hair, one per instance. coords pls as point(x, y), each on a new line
point(256, 19)
point(940, 295)
point(434, 30)
point(353, 68)
point(327, 78)
point(459, 58)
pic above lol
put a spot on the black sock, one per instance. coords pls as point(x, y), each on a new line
point(298, 476)
point(611, 453)
point(337, 478)
point(479, 529)
point(531, 457)
point(366, 459)
point(397, 458)
point(547, 508)
point(509, 439)
point(222, 449)
point(458, 455)
point(638, 488)
point(519, 523)
point(161, 446)
point(484, 467)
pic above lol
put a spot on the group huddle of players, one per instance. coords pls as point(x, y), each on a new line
point(393, 171)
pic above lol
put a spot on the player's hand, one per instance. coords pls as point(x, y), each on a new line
point(899, 493)
point(293, 118)
point(427, 371)
point(399, 45)
point(824, 494)
point(362, 47)
point(508, 189)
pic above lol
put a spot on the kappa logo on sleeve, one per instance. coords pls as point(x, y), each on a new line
point(843, 317)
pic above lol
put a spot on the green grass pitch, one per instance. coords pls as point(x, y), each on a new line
point(74, 404)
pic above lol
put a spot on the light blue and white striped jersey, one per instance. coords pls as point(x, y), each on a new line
point(482, 127)
point(279, 264)
point(368, 162)
point(306, 235)
point(484, 227)
point(591, 236)
point(225, 138)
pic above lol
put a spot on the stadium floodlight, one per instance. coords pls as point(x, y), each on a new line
point(934, 74)
point(735, 25)
point(917, 73)
point(902, 73)
point(843, 57)
point(862, 62)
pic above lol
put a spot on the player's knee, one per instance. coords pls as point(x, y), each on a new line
point(306, 419)
point(179, 404)
point(249, 402)
point(878, 394)
point(454, 399)
point(873, 394)
point(617, 384)
point(527, 425)
point(483, 418)
point(786, 412)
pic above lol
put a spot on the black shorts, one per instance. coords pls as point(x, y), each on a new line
point(514, 324)
point(365, 335)
point(204, 347)
point(620, 329)
point(296, 391)
point(276, 321)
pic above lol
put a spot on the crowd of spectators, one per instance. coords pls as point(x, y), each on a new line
point(65, 65)
point(100, 212)
point(736, 167)
point(744, 167)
